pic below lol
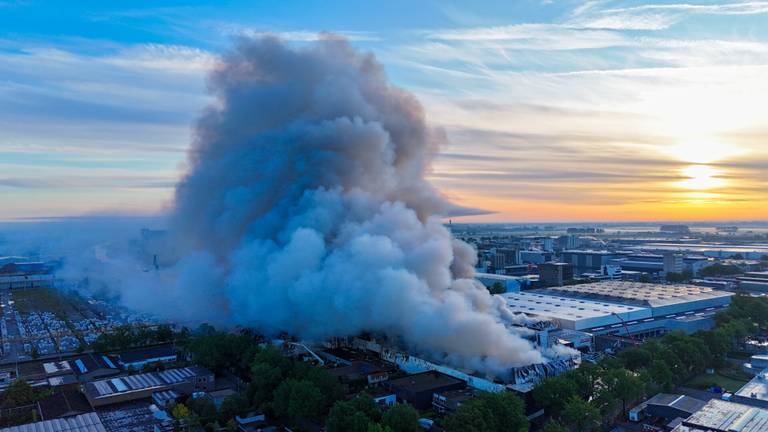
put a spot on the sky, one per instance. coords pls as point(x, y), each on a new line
point(553, 110)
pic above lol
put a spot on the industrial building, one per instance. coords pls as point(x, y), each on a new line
point(82, 423)
point(510, 283)
point(587, 260)
point(621, 308)
point(134, 387)
point(755, 392)
point(722, 416)
point(16, 272)
point(667, 406)
point(753, 281)
point(555, 273)
point(138, 358)
point(419, 389)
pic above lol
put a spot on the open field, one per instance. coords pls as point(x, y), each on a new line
point(730, 380)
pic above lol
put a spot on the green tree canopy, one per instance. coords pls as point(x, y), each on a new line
point(581, 415)
point(401, 418)
point(553, 393)
point(18, 394)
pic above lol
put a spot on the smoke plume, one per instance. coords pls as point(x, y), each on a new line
point(305, 210)
point(307, 192)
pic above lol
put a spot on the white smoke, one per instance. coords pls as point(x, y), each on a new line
point(306, 210)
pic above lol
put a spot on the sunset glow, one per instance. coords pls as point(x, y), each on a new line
point(557, 111)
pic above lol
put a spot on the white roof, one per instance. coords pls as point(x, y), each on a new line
point(82, 423)
point(728, 416)
point(645, 294)
point(757, 388)
point(586, 312)
point(54, 367)
point(143, 381)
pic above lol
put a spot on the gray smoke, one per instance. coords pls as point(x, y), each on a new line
point(307, 191)
point(305, 210)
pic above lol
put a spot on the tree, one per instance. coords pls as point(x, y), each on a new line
point(554, 426)
point(469, 417)
point(720, 270)
point(553, 393)
point(624, 385)
point(18, 394)
point(635, 358)
point(497, 288)
point(298, 400)
point(232, 406)
point(180, 411)
point(581, 415)
point(375, 427)
point(660, 374)
point(401, 418)
point(586, 378)
point(345, 417)
point(507, 412)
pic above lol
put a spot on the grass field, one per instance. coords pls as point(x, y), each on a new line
point(729, 380)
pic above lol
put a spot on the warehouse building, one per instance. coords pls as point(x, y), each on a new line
point(755, 392)
point(621, 308)
point(82, 423)
point(419, 389)
point(142, 386)
point(722, 416)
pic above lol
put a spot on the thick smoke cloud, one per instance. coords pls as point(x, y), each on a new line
point(307, 190)
point(305, 210)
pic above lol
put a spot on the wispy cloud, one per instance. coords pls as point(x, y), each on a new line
point(657, 16)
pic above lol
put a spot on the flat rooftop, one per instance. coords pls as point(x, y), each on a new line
point(757, 388)
point(551, 305)
point(718, 415)
point(641, 294)
point(133, 383)
point(424, 381)
point(680, 402)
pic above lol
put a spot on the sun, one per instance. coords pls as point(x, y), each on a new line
point(701, 178)
point(702, 150)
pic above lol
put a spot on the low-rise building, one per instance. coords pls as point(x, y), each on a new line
point(418, 389)
point(721, 416)
point(755, 392)
point(89, 367)
point(138, 358)
point(667, 406)
point(142, 386)
point(89, 422)
point(450, 400)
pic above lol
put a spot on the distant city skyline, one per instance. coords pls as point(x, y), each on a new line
point(557, 111)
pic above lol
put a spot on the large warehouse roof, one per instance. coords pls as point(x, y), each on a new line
point(641, 294)
point(572, 313)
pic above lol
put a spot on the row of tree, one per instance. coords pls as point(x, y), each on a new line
point(130, 335)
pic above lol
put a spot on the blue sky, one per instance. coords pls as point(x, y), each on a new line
point(554, 110)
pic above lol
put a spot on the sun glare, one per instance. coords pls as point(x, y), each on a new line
point(700, 178)
point(702, 151)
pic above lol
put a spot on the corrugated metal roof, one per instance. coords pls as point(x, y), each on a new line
point(142, 381)
point(82, 423)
